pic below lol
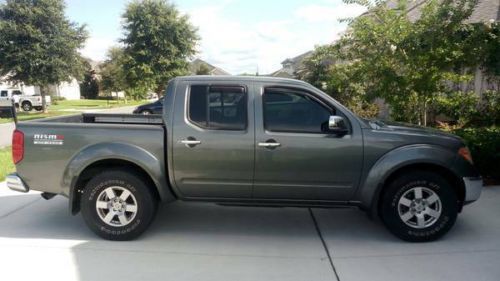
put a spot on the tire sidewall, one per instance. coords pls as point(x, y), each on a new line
point(391, 198)
point(145, 211)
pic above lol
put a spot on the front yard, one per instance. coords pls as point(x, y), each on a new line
point(6, 165)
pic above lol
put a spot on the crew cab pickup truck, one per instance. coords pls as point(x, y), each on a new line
point(250, 141)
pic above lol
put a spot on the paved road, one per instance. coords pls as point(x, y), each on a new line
point(6, 129)
point(39, 240)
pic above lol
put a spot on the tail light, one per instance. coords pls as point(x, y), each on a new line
point(465, 153)
point(17, 146)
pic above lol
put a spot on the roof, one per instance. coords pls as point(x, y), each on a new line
point(484, 11)
point(214, 70)
point(298, 58)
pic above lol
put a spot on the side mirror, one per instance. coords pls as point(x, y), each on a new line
point(336, 124)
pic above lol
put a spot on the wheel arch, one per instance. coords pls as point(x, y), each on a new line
point(96, 158)
point(399, 161)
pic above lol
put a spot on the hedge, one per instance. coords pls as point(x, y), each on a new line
point(484, 144)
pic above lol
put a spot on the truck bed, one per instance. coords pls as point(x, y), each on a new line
point(106, 118)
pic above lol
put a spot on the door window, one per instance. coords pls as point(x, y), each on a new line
point(218, 107)
point(292, 111)
point(3, 94)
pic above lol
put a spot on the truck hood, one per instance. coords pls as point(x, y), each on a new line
point(414, 130)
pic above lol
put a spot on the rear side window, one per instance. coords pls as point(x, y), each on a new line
point(218, 107)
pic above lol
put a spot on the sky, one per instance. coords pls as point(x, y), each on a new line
point(237, 36)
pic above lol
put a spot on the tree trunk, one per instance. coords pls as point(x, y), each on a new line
point(425, 113)
point(43, 93)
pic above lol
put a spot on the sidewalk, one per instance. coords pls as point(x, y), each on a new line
point(193, 241)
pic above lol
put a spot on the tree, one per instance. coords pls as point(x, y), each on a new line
point(89, 87)
point(158, 42)
point(203, 70)
point(407, 62)
point(112, 71)
point(38, 45)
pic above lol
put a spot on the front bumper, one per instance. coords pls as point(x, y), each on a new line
point(14, 182)
point(473, 188)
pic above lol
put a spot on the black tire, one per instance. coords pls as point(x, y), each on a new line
point(38, 108)
point(26, 106)
point(432, 227)
point(146, 205)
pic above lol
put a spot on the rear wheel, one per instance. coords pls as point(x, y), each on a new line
point(419, 206)
point(38, 108)
point(26, 106)
point(118, 205)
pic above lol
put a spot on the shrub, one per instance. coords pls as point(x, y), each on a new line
point(484, 144)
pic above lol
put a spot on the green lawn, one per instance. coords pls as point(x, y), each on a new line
point(6, 165)
point(71, 107)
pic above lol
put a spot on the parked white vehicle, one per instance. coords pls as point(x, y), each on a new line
point(26, 102)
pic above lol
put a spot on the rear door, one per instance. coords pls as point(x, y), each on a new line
point(296, 157)
point(213, 140)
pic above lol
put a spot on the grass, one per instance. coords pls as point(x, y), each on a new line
point(68, 107)
point(6, 165)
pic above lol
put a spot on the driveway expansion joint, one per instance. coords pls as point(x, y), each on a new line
point(318, 230)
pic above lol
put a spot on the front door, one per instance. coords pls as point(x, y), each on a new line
point(296, 157)
point(213, 142)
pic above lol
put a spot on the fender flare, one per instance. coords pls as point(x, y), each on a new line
point(420, 154)
point(154, 167)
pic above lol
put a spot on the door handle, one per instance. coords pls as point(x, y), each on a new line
point(190, 142)
point(269, 144)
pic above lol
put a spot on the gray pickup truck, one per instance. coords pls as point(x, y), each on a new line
point(251, 141)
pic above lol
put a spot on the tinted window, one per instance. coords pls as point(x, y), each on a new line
point(3, 94)
point(17, 92)
point(289, 111)
point(218, 107)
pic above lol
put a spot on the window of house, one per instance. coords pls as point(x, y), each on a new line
point(292, 111)
point(218, 107)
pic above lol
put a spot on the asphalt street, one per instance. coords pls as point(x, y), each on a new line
point(40, 240)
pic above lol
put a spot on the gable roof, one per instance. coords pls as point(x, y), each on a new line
point(214, 70)
point(484, 11)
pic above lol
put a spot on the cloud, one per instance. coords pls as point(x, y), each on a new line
point(256, 46)
point(97, 47)
point(328, 13)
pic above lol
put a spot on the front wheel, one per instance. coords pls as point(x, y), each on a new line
point(419, 206)
point(118, 205)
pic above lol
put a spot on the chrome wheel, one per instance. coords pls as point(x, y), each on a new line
point(116, 206)
point(419, 207)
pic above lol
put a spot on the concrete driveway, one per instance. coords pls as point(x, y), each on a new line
point(7, 128)
point(39, 240)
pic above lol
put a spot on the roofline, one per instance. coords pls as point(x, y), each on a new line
point(238, 78)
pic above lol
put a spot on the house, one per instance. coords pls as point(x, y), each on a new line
point(67, 90)
point(198, 65)
point(291, 66)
